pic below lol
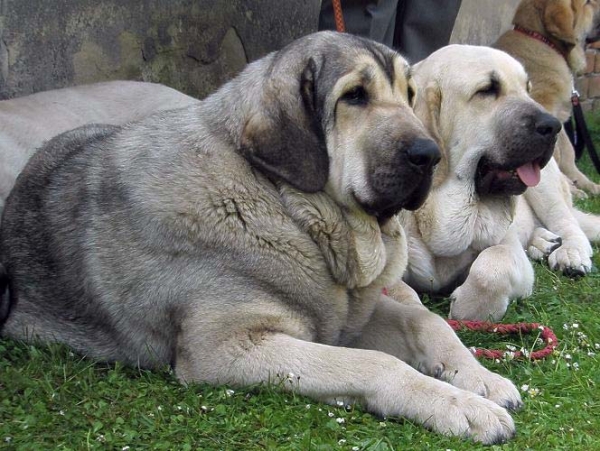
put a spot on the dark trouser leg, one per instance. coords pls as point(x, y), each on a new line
point(423, 26)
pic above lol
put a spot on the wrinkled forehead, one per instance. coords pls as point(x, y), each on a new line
point(385, 71)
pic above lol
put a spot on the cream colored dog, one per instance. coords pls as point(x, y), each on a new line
point(495, 140)
point(548, 40)
point(27, 122)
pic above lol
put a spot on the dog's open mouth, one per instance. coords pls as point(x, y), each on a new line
point(493, 180)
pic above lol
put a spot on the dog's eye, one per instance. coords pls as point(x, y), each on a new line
point(492, 89)
point(411, 95)
point(355, 96)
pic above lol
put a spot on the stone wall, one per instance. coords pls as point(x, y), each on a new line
point(588, 85)
point(191, 45)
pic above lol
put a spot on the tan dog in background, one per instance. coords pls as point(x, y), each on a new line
point(495, 140)
point(548, 39)
point(27, 122)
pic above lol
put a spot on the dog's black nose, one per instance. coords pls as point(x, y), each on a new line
point(424, 153)
point(547, 125)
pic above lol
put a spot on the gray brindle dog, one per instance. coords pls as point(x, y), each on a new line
point(249, 237)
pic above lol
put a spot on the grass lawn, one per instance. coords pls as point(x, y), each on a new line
point(53, 399)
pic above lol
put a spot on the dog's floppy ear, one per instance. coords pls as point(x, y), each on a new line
point(286, 140)
point(427, 105)
point(559, 20)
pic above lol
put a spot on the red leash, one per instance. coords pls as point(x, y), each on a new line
point(546, 334)
point(338, 16)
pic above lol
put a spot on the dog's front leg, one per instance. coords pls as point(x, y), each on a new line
point(551, 202)
point(381, 382)
point(423, 339)
point(498, 274)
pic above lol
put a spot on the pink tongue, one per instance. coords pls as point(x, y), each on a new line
point(529, 173)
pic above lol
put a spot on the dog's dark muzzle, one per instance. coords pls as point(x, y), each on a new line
point(527, 150)
point(404, 182)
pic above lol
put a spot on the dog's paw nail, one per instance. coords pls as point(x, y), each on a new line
point(574, 273)
point(513, 406)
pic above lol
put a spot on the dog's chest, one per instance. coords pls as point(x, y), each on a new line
point(357, 251)
point(492, 220)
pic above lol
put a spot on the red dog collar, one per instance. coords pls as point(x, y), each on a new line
point(540, 37)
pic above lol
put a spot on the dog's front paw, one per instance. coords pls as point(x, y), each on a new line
point(542, 244)
point(465, 414)
point(577, 193)
point(468, 304)
point(484, 382)
point(571, 260)
point(445, 409)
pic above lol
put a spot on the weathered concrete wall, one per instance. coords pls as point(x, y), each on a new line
point(191, 45)
point(481, 22)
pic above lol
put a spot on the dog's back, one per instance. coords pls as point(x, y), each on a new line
point(47, 170)
point(27, 122)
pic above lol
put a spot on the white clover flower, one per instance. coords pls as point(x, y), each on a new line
point(565, 326)
point(308, 406)
point(203, 408)
point(575, 366)
point(330, 414)
point(591, 353)
point(575, 326)
point(340, 420)
point(533, 392)
point(540, 327)
point(355, 448)
point(229, 392)
point(61, 412)
point(509, 355)
point(524, 387)
point(125, 448)
point(557, 405)
point(511, 347)
point(342, 441)
point(568, 356)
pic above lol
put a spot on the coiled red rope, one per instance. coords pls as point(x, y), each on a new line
point(546, 334)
